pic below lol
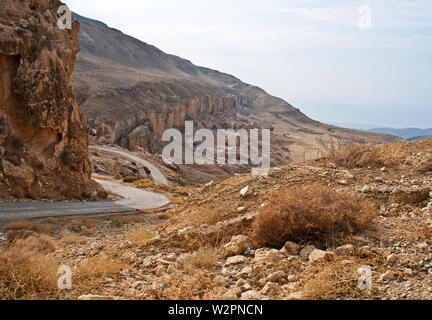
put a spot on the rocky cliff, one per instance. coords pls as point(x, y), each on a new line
point(43, 139)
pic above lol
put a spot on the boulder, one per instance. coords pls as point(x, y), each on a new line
point(237, 245)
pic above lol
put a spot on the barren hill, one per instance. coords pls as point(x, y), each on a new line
point(131, 92)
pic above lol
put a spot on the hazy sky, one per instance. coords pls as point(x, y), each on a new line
point(312, 53)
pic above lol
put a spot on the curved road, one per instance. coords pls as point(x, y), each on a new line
point(133, 197)
point(157, 175)
point(132, 200)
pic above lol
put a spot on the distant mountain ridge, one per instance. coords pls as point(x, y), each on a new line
point(131, 92)
point(406, 133)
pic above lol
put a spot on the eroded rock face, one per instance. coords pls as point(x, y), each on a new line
point(42, 131)
point(144, 128)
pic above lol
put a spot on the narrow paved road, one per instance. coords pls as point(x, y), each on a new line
point(133, 197)
point(157, 175)
point(132, 200)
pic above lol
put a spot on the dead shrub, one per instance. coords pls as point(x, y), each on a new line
point(128, 219)
point(144, 183)
point(205, 257)
point(359, 155)
point(91, 273)
point(141, 236)
point(196, 286)
point(27, 271)
point(27, 277)
point(35, 226)
point(67, 237)
point(317, 214)
point(335, 280)
point(34, 243)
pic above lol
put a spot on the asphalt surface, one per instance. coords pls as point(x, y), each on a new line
point(157, 175)
point(132, 199)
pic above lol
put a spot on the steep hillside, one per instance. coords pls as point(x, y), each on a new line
point(131, 92)
point(43, 140)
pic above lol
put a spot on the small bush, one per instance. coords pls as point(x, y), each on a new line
point(35, 226)
point(144, 183)
point(359, 155)
point(205, 257)
point(316, 214)
point(141, 236)
point(35, 243)
point(67, 237)
point(117, 176)
point(116, 223)
point(27, 275)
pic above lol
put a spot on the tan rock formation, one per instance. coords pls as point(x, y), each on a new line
point(42, 131)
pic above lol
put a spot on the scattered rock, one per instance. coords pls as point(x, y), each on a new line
point(389, 275)
point(345, 250)
point(237, 245)
point(317, 255)
point(343, 182)
point(291, 248)
point(232, 294)
point(251, 295)
point(306, 251)
point(160, 270)
point(235, 260)
point(267, 256)
point(271, 288)
point(392, 258)
point(246, 192)
point(295, 296)
point(241, 209)
point(278, 276)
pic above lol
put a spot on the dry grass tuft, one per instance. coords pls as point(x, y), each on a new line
point(121, 220)
point(34, 243)
point(196, 286)
point(144, 183)
point(204, 258)
point(98, 268)
point(35, 226)
point(67, 237)
point(141, 236)
point(336, 280)
point(316, 214)
point(27, 271)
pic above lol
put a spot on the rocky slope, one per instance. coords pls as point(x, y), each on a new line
point(43, 140)
point(205, 250)
point(131, 92)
